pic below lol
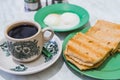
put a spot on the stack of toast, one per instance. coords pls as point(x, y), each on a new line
point(90, 50)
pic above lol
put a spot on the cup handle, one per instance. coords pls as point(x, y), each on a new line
point(49, 34)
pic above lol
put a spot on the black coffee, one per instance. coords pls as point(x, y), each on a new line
point(23, 31)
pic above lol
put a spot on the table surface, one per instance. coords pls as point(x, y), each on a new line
point(13, 10)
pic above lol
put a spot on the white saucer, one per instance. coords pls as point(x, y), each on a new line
point(7, 64)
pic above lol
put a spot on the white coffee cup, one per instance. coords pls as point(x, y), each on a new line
point(28, 48)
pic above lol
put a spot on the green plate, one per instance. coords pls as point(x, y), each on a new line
point(59, 9)
point(110, 69)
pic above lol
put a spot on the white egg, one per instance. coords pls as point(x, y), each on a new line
point(63, 21)
point(69, 18)
point(52, 19)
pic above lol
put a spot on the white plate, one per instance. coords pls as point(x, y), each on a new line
point(7, 64)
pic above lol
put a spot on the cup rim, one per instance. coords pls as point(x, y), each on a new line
point(12, 25)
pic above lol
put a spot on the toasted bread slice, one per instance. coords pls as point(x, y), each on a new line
point(107, 32)
point(81, 67)
point(84, 67)
point(86, 49)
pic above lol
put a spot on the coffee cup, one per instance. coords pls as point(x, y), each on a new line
point(25, 40)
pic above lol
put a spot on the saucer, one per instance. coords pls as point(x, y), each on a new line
point(8, 65)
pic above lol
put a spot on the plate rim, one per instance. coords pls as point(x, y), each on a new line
point(66, 4)
point(50, 63)
point(72, 66)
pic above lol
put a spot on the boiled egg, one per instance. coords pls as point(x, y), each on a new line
point(69, 19)
point(62, 21)
point(52, 19)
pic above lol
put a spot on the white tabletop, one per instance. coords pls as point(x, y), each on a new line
point(13, 10)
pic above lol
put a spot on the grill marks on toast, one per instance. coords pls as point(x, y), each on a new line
point(107, 33)
point(79, 54)
point(90, 50)
point(103, 36)
point(85, 50)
